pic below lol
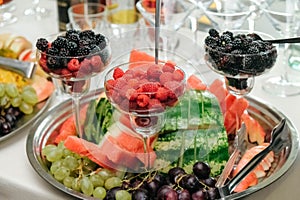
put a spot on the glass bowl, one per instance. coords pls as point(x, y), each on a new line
point(239, 56)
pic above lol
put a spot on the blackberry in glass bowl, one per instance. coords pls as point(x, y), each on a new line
point(239, 56)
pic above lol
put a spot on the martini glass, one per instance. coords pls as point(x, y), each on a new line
point(138, 92)
point(173, 15)
point(240, 65)
point(283, 17)
point(74, 67)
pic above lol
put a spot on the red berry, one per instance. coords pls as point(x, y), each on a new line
point(150, 87)
point(155, 104)
point(73, 64)
point(118, 73)
point(162, 94)
point(165, 77)
point(96, 63)
point(153, 72)
point(142, 100)
point(178, 75)
point(65, 72)
point(169, 67)
point(110, 84)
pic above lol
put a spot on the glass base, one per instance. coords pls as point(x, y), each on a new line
point(7, 18)
point(37, 11)
point(280, 87)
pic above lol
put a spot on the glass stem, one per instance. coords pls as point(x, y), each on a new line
point(146, 141)
point(76, 104)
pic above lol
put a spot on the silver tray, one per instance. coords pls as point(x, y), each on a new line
point(268, 116)
point(28, 119)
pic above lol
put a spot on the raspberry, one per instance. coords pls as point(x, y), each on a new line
point(131, 94)
point(165, 77)
point(110, 84)
point(118, 73)
point(153, 72)
point(85, 66)
point(97, 64)
point(73, 64)
point(65, 72)
point(169, 67)
point(150, 87)
point(154, 104)
point(162, 94)
point(133, 83)
point(142, 100)
point(178, 75)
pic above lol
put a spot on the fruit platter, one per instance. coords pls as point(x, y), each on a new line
point(22, 99)
point(187, 155)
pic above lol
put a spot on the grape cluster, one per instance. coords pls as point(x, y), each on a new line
point(240, 53)
point(83, 175)
point(14, 102)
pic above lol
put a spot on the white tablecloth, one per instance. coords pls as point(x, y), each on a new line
point(18, 180)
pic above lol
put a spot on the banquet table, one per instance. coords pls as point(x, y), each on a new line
point(18, 179)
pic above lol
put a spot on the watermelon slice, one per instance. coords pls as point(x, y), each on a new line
point(193, 82)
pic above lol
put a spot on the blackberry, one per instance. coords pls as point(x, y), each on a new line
point(236, 43)
point(100, 41)
point(213, 32)
point(53, 62)
point(71, 31)
point(253, 50)
point(59, 42)
point(42, 44)
point(74, 38)
point(225, 39)
point(84, 51)
point(87, 34)
point(210, 41)
point(72, 47)
point(229, 34)
point(52, 51)
point(94, 49)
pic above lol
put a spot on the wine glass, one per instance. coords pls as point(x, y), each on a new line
point(283, 17)
point(137, 90)
point(226, 14)
point(36, 10)
point(239, 58)
point(73, 58)
point(173, 15)
point(6, 15)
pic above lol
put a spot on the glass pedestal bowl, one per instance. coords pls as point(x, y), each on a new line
point(239, 58)
point(73, 58)
point(141, 92)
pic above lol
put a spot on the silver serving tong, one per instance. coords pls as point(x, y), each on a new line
point(26, 69)
point(240, 147)
point(279, 140)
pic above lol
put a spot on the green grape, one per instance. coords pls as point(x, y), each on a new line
point(123, 195)
point(105, 174)
point(28, 88)
point(55, 165)
point(70, 162)
point(68, 181)
point(48, 148)
point(2, 89)
point(76, 184)
point(16, 101)
point(99, 192)
point(26, 108)
point(29, 97)
point(4, 101)
point(11, 90)
point(86, 186)
point(54, 155)
point(67, 152)
point(61, 173)
point(96, 180)
point(112, 182)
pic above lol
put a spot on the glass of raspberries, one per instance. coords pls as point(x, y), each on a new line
point(73, 58)
point(239, 56)
point(142, 91)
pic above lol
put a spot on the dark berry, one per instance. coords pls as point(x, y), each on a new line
point(59, 42)
point(42, 44)
point(175, 172)
point(213, 32)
